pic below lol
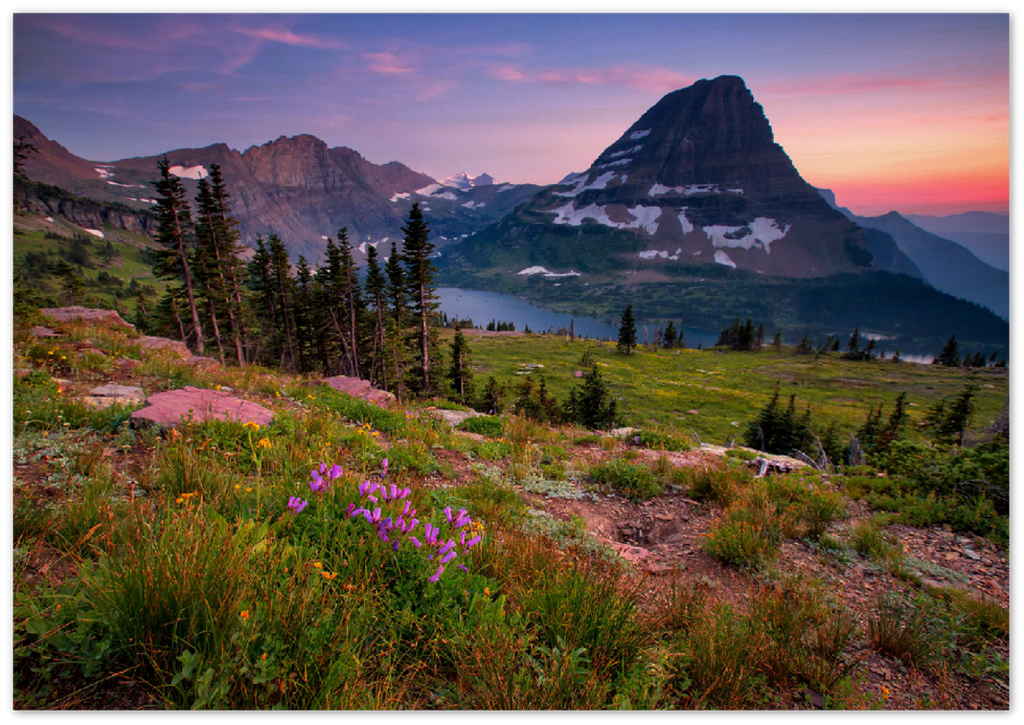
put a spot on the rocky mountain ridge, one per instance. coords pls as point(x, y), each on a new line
point(296, 187)
point(944, 264)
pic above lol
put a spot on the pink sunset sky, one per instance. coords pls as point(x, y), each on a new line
point(906, 112)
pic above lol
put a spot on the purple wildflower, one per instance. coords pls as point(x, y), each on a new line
point(437, 574)
point(297, 504)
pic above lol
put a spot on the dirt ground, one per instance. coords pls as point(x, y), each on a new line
point(662, 538)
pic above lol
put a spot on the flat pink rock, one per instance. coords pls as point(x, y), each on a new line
point(358, 388)
point(197, 405)
point(77, 312)
point(148, 342)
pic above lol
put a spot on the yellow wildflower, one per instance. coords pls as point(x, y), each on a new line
point(329, 576)
point(250, 424)
point(245, 615)
point(264, 655)
point(487, 591)
point(318, 565)
point(263, 443)
point(238, 486)
point(886, 692)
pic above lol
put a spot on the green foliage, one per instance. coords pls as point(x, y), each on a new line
point(635, 480)
point(948, 423)
point(486, 425)
point(776, 430)
point(627, 331)
point(905, 632)
point(741, 337)
point(591, 405)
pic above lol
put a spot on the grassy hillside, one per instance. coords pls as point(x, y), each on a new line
point(224, 565)
point(110, 275)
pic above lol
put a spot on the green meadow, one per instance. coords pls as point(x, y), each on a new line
point(658, 390)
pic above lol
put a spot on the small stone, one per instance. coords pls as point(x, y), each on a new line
point(693, 412)
point(972, 555)
point(578, 374)
point(40, 331)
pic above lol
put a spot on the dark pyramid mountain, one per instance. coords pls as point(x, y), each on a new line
point(698, 179)
point(297, 188)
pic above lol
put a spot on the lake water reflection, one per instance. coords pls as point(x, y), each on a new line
point(482, 307)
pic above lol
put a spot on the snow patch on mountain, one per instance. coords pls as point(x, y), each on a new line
point(759, 233)
point(660, 189)
point(104, 172)
point(403, 195)
point(652, 253)
point(190, 172)
point(626, 151)
point(639, 134)
point(436, 191)
point(620, 162)
point(644, 217)
point(687, 225)
point(474, 205)
point(542, 270)
point(94, 232)
point(580, 180)
point(723, 258)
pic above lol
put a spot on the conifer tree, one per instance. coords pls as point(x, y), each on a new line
point(174, 233)
point(459, 374)
point(670, 335)
point(305, 315)
point(950, 355)
point(345, 308)
point(280, 275)
point(218, 246)
point(375, 290)
point(494, 396)
point(72, 283)
point(627, 331)
point(420, 270)
point(853, 346)
point(396, 292)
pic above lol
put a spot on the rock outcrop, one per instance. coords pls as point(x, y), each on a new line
point(196, 405)
point(86, 314)
point(359, 388)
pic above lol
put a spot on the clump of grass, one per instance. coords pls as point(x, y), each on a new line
point(748, 536)
point(902, 631)
point(170, 586)
point(806, 507)
point(720, 484)
point(485, 425)
point(868, 538)
point(635, 480)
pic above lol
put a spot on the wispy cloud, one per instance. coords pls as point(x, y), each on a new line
point(279, 34)
point(389, 63)
point(639, 77)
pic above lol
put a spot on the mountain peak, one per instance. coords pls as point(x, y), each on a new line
point(698, 178)
point(465, 181)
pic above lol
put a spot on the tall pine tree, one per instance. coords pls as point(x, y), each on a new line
point(174, 233)
point(397, 319)
point(375, 290)
point(217, 239)
point(420, 271)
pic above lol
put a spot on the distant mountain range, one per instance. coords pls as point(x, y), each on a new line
point(296, 187)
point(694, 211)
point(946, 265)
point(987, 234)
